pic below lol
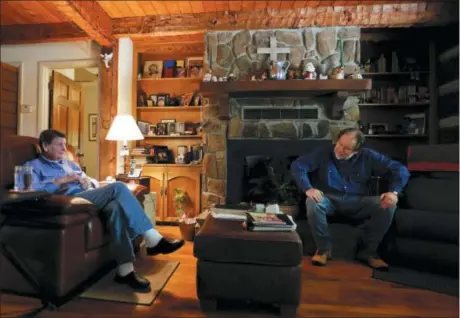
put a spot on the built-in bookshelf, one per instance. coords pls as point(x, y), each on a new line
point(168, 108)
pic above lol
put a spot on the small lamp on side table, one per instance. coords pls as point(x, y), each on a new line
point(124, 128)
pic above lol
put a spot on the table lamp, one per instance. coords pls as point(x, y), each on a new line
point(124, 128)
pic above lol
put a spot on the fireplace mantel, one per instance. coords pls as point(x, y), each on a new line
point(281, 88)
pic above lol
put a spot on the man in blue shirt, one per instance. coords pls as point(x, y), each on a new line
point(126, 219)
point(343, 172)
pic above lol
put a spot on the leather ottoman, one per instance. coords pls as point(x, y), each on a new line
point(235, 264)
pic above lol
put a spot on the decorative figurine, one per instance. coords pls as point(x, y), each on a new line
point(323, 76)
point(107, 58)
point(368, 66)
point(291, 75)
point(263, 76)
point(273, 69)
point(214, 78)
point(309, 73)
point(337, 73)
point(208, 76)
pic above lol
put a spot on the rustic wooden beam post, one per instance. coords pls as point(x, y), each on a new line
point(90, 17)
point(107, 112)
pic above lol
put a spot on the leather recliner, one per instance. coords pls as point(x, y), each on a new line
point(50, 247)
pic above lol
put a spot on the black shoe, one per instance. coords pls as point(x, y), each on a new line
point(165, 247)
point(136, 282)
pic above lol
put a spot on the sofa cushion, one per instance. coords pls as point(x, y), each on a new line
point(424, 224)
point(432, 193)
point(226, 241)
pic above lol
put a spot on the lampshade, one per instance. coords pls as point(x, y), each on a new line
point(124, 128)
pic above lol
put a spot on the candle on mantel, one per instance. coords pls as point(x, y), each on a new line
point(341, 51)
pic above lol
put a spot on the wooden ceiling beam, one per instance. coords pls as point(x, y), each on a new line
point(90, 17)
point(397, 15)
point(41, 33)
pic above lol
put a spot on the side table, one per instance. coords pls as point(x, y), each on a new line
point(143, 180)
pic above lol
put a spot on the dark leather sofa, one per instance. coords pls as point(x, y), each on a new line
point(60, 241)
point(424, 233)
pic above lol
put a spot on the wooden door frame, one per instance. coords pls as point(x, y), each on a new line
point(44, 73)
point(45, 70)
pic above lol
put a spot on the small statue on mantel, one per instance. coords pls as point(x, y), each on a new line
point(337, 73)
point(309, 72)
point(273, 69)
point(208, 76)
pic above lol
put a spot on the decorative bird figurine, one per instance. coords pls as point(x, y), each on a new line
point(107, 58)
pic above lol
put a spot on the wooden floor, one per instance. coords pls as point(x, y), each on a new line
point(341, 289)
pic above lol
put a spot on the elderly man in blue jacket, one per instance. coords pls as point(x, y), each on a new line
point(343, 171)
point(54, 173)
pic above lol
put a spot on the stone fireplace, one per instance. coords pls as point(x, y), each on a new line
point(275, 125)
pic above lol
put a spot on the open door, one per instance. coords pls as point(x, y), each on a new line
point(66, 111)
point(9, 101)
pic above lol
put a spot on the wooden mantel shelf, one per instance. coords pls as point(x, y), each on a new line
point(310, 86)
point(279, 88)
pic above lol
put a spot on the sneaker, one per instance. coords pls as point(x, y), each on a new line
point(374, 261)
point(320, 258)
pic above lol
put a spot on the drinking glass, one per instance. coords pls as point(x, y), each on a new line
point(18, 184)
point(27, 177)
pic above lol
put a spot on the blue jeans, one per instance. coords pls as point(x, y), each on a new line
point(123, 215)
point(377, 219)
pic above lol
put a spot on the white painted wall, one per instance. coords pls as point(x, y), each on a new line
point(29, 56)
point(125, 85)
point(90, 148)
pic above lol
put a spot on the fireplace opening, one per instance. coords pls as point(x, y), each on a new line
point(258, 171)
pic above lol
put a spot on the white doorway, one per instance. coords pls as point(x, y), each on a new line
point(86, 73)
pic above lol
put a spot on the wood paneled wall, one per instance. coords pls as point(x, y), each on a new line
point(9, 103)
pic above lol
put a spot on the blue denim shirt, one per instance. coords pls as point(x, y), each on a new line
point(350, 176)
point(45, 171)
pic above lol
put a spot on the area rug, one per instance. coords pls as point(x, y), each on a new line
point(423, 280)
point(157, 272)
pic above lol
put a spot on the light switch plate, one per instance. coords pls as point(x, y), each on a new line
point(26, 108)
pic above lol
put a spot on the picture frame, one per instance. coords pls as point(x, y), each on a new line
point(162, 100)
point(92, 127)
point(378, 128)
point(152, 130)
point(153, 98)
point(195, 66)
point(153, 69)
point(135, 174)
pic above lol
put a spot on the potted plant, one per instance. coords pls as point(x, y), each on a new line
point(186, 224)
point(284, 191)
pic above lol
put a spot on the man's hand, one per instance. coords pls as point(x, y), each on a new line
point(315, 195)
point(388, 199)
point(67, 179)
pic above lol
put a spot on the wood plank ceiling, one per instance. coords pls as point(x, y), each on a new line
point(105, 21)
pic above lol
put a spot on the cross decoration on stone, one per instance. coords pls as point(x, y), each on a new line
point(273, 50)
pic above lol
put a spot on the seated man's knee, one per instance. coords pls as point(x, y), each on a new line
point(313, 207)
point(376, 202)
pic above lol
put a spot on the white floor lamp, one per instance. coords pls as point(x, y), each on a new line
point(124, 128)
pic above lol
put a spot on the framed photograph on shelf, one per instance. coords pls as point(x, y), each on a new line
point(195, 66)
point(153, 69)
point(153, 98)
point(92, 131)
point(378, 128)
point(162, 100)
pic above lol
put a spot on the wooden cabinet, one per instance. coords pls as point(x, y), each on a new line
point(165, 178)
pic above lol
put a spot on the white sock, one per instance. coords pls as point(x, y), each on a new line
point(125, 268)
point(152, 237)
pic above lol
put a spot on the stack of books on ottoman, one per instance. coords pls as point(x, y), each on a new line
point(269, 222)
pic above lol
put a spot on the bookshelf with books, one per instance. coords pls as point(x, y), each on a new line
point(168, 109)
